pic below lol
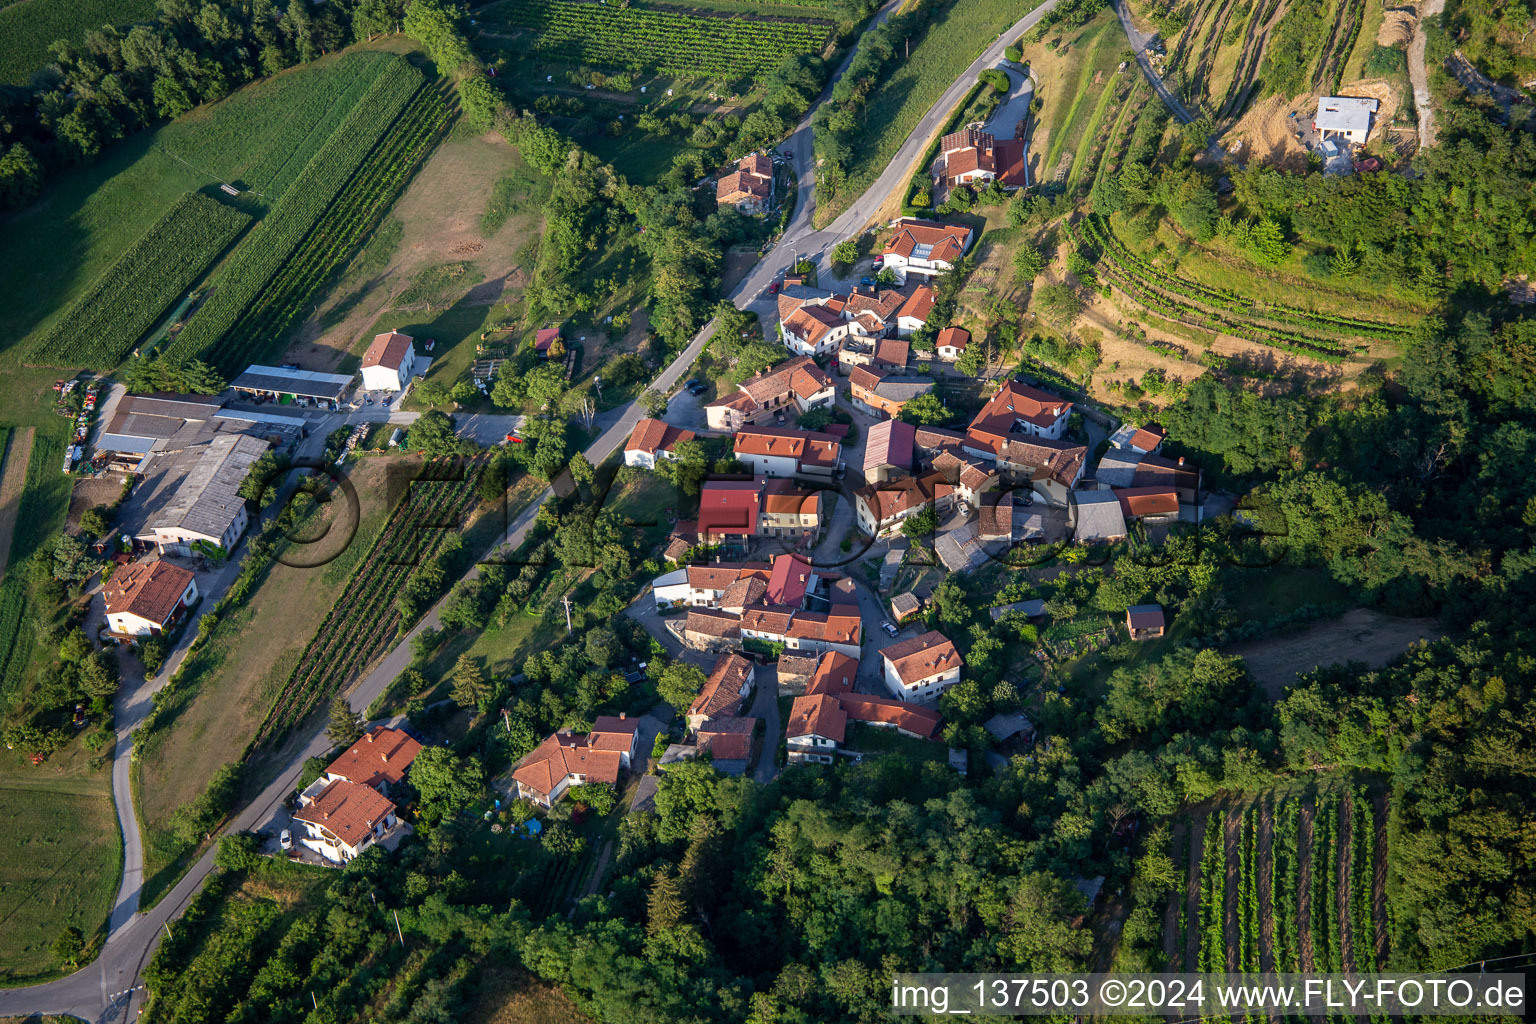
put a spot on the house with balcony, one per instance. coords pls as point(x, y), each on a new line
point(147, 599)
point(790, 388)
point(1018, 411)
point(781, 452)
point(924, 248)
point(340, 819)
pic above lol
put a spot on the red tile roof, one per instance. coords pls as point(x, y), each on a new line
point(782, 498)
point(807, 447)
point(1061, 461)
point(841, 625)
point(1147, 501)
point(727, 738)
point(790, 580)
point(1016, 401)
point(922, 656)
point(566, 753)
point(652, 436)
point(893, 352)
point(613, 732)
point(912, 718)
point(387, 350)
point(381, 755)
point(817, 715)
point(347, 810)
point(811, 323)
point(954, 337)
point(719, 575)
point(917, 305)
point(707, 622)
point(1147, 438)
point(947, 242)
point(721, 694)
point(835, 674)
point(149, 590)
point(546, 335)
point(1145, 616)
point(729, 508)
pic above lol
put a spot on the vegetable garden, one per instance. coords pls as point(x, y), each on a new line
point(1287, 883)
point(668, 41)
point(364, 619)
point(246, 279)
point(101, 326)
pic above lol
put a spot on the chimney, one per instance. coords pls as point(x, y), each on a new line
point(369, 736)
point(384, 757)
point(1181, 460)
point(622, 716)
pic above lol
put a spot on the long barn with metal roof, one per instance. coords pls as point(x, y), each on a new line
point(280, 382)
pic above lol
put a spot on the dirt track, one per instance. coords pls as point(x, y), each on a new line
point(13, 479)
point(1358, 635)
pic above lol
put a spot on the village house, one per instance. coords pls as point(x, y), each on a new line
point(921, 667)
point(952, 342)
point(817, 725)
point(726, 692)
point(881, 508)
point(1149, 504)
point(544, 339)
point(913, 313)
point(795, 671)
point(928, 442)
point(839, 629)
point(788, 511)
point(1145, 621)
point(703, 586)
point(729, 509)
point(1053, 468)
point(884, 395)
point(379, 759)
point(1141, 440)
point(813, 330)
point(728, 740)
point(1016, 411)
point(568, 759)
point(146, 599)
point(749, 187)
point(710, 631)
point(974, 157)
point(1099, 518)
point(341, 819)
point(653, 440)
point(778, 452)
point(389, 362)
point(888, 450)
point(795, 387)
point(924, 248)
point(969, 476)
point(1346, 118)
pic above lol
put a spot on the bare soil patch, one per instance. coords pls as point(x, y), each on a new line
point(1396, 28)
point(90, 492)
point(1267, 135)
point(13, 480)
point(1359, 635)
point(1304, 884)
point(440, 211)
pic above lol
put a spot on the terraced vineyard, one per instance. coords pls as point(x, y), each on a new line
point(1341, 39)
point(246, 278)
point(104, 323)
point(668, 41)
point(1245, 75)
point(1285, 883)
point(1317, 335)
point(364, 619)
point(356, 211)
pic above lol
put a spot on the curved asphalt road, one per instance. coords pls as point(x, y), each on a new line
point(108, 989)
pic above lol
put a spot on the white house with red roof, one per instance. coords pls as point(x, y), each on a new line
point(1017, 411)
point(568, 759)
point(922, 667)
point(952, 342)
point(379, 758)
point(389, 362)
point(924, 247)
point(653, 440)
point(147, 598)
point(341, 819)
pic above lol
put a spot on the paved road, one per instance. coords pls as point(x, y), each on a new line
point(1418, 74)
point(1139, 43)
point(106, 990)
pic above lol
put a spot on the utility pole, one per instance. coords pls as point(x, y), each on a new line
point(566, 600)
point(397, 927)
point(506, 719)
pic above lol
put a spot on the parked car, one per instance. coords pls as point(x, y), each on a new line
point(693, 382)
point(889, 627)
point(285, 840)
point(965, 509)
point(697, 390)
point(773, 289)
point(867, 282)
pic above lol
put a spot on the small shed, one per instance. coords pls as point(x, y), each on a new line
point(905, 606)
point(959, 759)
point(1032, 609)
point(1145, 621)
point(1007, 726)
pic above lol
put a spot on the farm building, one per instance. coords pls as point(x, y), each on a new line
point(287, 386)
point(147, 598)
point(1098, 517)
point(389, 362)
point(207, 508)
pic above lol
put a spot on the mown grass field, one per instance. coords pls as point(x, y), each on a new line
point(60, 859)
point(260, 138)
point(28, 26)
